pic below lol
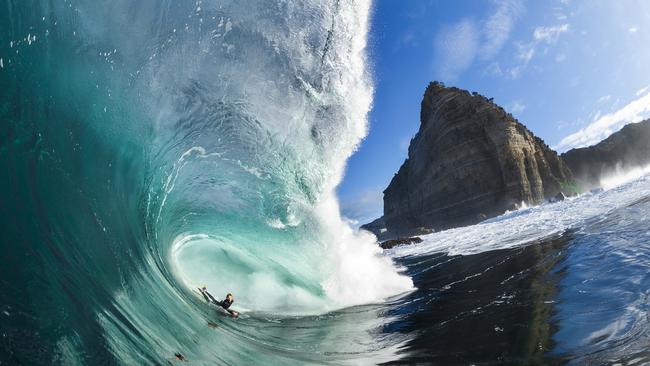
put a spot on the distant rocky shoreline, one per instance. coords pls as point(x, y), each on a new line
point(624, 150)
point(388, 244)
point(471, 160)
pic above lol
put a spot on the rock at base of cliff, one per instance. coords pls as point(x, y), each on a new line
point(388, 244)
point(558, 197)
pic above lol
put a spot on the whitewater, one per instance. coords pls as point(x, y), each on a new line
point(151, 147)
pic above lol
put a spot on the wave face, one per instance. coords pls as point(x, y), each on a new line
point(156, 146)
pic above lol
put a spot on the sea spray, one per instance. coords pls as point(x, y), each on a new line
point(266, 143)
point(621, 176)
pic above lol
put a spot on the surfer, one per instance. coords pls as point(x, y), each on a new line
point(224, 304)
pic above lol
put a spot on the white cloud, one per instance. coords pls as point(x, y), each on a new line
point(526, 51)
point(498, 27)
point(550, 35)
point(363, 207)
point(604, 126)
point(604, 98)
point(457, 47)
point(595, 115)
point(642, 91)
point(517, 107)
point(494, 69)
point(562, 125)
point(515, 71)
point(407, 39)
point(633, 30)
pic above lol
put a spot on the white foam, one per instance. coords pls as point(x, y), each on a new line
point(527, 225)
point(356, 270)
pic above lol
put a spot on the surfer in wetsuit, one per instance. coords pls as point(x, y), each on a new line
point(224, 304)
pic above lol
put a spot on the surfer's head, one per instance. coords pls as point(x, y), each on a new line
point(230, 298)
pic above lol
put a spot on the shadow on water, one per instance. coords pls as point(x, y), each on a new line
point(489, 308)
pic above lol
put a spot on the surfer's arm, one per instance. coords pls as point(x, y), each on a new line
point(233, 313)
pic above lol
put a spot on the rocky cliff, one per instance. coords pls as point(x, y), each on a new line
point(626, 149)
point(377, 227)
point(469, 161)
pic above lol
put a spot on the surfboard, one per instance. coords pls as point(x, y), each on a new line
point(221, 310)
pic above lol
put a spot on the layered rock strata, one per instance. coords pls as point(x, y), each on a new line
point(469, 161)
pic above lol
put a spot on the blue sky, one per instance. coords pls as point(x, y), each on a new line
point(572, 71)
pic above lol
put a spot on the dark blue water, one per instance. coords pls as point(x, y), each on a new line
point(577, 296)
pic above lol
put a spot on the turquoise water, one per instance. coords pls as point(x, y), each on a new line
point(156, 146)
point(151, 147)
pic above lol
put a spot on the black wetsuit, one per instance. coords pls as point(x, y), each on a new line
point(224, 304)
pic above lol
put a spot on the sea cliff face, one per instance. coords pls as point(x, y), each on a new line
point(377, 227)
point(626, 149)
point(469, 161)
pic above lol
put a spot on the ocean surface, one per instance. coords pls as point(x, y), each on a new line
point(151, 147)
